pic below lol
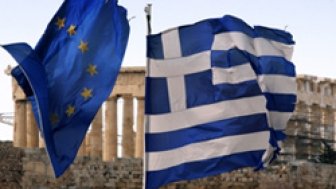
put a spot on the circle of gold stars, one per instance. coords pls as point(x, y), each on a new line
point(86, 93)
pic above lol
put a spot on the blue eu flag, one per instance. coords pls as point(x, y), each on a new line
point(71, 72)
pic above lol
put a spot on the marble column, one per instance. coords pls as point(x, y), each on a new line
point(139, 140)
point(20, 129)
point(128, 134)
point(96, 135)
point(32, 129)
point(41, 141)
point(111, 131)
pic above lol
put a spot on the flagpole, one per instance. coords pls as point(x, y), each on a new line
point(148, 11)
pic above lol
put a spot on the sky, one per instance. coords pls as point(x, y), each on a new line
point(311, 22)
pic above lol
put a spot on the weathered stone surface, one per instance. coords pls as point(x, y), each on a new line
point(10, 166)
point(30, 169)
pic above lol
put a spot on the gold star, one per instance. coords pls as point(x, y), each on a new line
point(86, 93)
point(83, 46)
point(54, 119)
point(92, 69)
point(70, 110)
point(71, 30)
point(60, 23)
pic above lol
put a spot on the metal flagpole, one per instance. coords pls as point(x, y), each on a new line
point(148, 11)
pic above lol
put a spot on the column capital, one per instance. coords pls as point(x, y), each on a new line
point(126, 96)
point(111, 98)
point(140, 97)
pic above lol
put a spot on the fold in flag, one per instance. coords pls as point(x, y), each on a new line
point(219, 94)
point(71, 72)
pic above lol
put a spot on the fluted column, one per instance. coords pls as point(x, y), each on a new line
point(128, 135)
point(96, 135)
point(139, 140)
point(20, 135)
point(41, 141)
point(32, 129)
point(111, 131)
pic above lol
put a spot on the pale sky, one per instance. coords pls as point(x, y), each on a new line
point(311, 22)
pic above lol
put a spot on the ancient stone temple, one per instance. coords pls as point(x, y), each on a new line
point(110, 155)
point(312, 122)
point(102, 139)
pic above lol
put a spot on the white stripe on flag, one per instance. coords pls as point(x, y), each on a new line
point(233, 75)
point(207, 113)
point(255, 46)
point(214, 148)
point(278, 120)
point(171, 43)
point(180, 66)
point(177, 95)
point(277, 84)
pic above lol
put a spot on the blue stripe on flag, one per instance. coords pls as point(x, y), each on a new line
point(280, 102)
point(279, 134)
point(200, 91)
point(274, 65)
point(229, 58)
point(157, 102)
point(231, 23)
point(235, 91)
point(207, 131)
point(201, 33)
point(195, 39)
point(261, 65)
point(209, 167)
point(274, 34)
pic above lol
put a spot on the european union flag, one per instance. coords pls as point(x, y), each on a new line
point(71, 72)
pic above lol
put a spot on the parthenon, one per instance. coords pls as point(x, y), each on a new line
point(102, 139)
point(313, 119)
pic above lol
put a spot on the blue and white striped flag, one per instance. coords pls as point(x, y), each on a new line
point(219, 94)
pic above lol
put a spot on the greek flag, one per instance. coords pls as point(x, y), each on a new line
point(219, 94)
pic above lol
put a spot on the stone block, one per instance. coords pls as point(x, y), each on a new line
point(40, 168)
